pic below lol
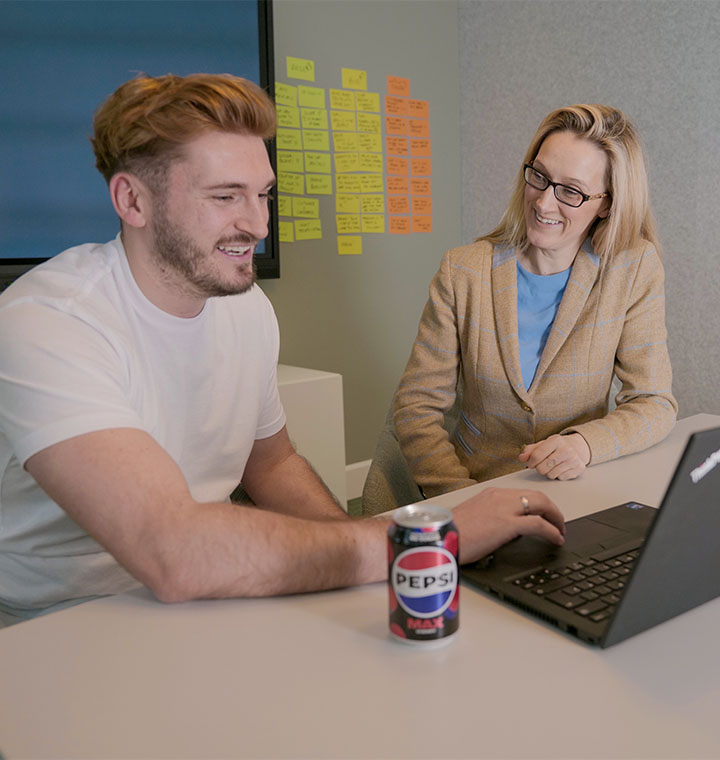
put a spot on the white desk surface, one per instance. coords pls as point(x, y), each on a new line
point(317, 676)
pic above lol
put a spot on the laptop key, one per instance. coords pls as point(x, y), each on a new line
point(565, 601)
point(598, 617)
point(587, 609)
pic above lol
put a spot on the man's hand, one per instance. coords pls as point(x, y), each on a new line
point(559, 457)
point(498, 515)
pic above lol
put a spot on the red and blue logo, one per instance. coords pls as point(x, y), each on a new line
point(424, 580)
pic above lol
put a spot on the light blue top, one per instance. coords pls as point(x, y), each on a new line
point(538, 298)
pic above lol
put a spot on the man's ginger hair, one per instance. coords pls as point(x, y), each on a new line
point(145, 123)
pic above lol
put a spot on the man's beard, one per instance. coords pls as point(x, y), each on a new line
point(177, 253)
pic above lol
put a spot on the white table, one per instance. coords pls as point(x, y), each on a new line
point(316, 675)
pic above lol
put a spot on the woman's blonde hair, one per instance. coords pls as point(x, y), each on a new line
point(144, 124)
point(630, 219)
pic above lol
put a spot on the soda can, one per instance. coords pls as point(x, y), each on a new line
point(423, 574)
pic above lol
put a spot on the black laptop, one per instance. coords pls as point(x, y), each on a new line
point(624, 569)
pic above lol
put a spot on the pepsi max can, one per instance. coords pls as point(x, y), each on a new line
point(423, 574)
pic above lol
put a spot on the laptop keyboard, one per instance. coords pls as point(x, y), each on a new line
point(590, 587)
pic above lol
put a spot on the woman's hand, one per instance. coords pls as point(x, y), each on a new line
point(559, 457)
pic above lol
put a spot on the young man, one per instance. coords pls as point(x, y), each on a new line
point(138, 386)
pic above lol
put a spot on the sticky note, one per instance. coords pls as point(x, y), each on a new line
point(421, 147)
point(370, 143)
point(344, 142)
point(354, 79)
point(349, 245)
point(397, 165)
point(368, 101)
point(284, 205)
point(342, 99)
point(288, 116)
point(371, 183)
point(343, 121)
point(300, 68)
point(314, 118)
point(315, 139)
point(286, 232)
point(422, 224)
point(348, 183)
point(308, 208)
point(347, 223)
point(397, 185)
point(373, 223)
point(420, 185)
point(285, 94)
point(369, 122)
point(308, 229)
point(396, 146)
point(418, 128)
point(318, 184)
point(311, 97)
point(290, 161)
point(317, 162)
point(290, 139)
point(420, 166)
point(288, 182)
point(398, 204)
point(346, 162)
point(372, 204)
point(418, 109)
point(421, 205)
point(399, 225)
point(396, 125)
point(370, 162)
point(398, 86)
point(395, 106)
point(347, 204)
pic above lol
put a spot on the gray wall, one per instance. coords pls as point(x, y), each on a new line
point(657, 61)
point(357, 315)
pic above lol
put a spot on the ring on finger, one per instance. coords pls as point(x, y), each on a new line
point(525, 505)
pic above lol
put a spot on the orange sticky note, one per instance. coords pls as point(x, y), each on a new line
point(399, 225)
point(418, 128)
point(397, 185)
point(420, 186)
point(396, 125)
point(420, 147)
point(421, 223)
point(421, 205)
point(398, 165)
point(420, 167)
point(398, 204)
point(418, 109)
point(398, 86)
point(396, 146)
point(396, 106)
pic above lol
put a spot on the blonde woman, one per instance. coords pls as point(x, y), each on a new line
point(532, 322)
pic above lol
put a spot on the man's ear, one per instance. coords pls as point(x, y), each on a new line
point(131, 199)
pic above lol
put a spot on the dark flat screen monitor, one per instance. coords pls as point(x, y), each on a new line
point(58, 62)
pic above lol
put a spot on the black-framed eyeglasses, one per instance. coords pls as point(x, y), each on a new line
point(570, 196)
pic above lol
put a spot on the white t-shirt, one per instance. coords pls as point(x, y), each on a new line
point(82, 349)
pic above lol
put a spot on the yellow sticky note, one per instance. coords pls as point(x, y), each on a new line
point(308, 208)
point(347, 162)
point(288, 116)
point(315, 139)
point(343, 121)
point(371, 183)
point(370, 143)
point(300, 68)
point(347, 223)
point(311, 97)
point(284, 205)
point(348, 183)
point(290, 161)
point(288, 182)
point(286, 232)
point(347, 204)
point(308, 229)
point(368, 101)
point(369, 122)
point(289, 139)
point(370, 162)
point(314, 118)
point(354, 79)
point(318, 184)
point(344, 142)
point(372, 204)
point(373, 223)
point(285, 94)
point(318, 162)
point(342, 99)
point(349, 245)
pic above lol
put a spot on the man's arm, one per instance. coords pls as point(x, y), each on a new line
point(278, 478)
point(129, 494)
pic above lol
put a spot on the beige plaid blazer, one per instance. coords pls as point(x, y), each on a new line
point(611, 321)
